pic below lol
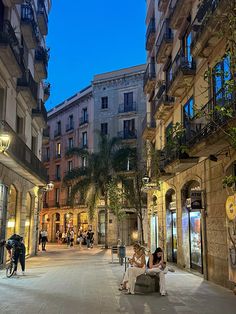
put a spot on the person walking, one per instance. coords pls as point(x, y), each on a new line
point(44, 236)
point(88, 239)
point(72, 236)
point(68, 238)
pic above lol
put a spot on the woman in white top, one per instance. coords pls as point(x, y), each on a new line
point(137, 267)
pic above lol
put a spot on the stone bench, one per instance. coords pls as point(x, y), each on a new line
point(147, 283)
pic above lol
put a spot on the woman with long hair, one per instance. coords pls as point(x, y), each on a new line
point(156, 264)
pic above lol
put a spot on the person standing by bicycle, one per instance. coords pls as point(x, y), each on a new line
point(16, 250)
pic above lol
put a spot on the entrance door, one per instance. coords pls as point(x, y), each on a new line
point(154, 234)
point(195, 240)
point(3, 210)
point(174, 237)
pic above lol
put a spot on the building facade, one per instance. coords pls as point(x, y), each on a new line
point(115, 105)
point(187, 67)
point(23, 69)
point(70, 124)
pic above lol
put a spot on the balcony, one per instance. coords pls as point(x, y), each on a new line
point(40, 114)
point(205, 131)
point(181, 76)
point(164, 43)
point(42, 17)
point(127, 134)
point(162, 5)
point(149, 126)
point(70, 126)
point(21, 159)
point(156, 168)
point(10, 52)
point(47, 89)
point(28, 88)
point(127, 107)
point(83, 145)
point(57, 133)
point(10, 3)
point(28, 26)
point(150, 34)
point(205, 35)
point(173, 160)
point(41, 63)
point(179, 11)
point(164, 104)
point(149, 78)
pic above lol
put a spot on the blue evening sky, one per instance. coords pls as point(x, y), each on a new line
point(88, 37)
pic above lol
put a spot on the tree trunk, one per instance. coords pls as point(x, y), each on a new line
point(106, 221)
point(140, 216)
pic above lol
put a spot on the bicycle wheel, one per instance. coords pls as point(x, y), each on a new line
point(10, 269)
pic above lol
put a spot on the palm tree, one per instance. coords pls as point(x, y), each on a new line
point(92, 181)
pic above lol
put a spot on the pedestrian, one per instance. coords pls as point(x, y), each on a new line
point(60, 237)
point(84, 235)
point(40, 239)
point(44, 235)
point(63, 237)
point(156, 264)
point(80, 238)
point(88, 239)
point(137, 268)
point(72, 236)
point(57, 236)
point(16, 250)
point(68, 238)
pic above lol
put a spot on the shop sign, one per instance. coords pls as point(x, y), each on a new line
point(188, 202)
point(196, 199)
point(172, 206)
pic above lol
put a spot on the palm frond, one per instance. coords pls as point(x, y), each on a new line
point(76, 174)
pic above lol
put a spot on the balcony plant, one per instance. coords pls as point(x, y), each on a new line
point(229, 182)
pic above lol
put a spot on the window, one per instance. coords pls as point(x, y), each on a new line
point(168, 132)
point(221, 75)
point(57, 195)
point(71, 122)
point(104, 102)
point(84, 139)
point(69, 191)
point(70, 165)
point(104, 128)
point(58, 172)
point(34, 144)
point(71, 142)
point(85, 114)
point(19, 125)
point(84, 161)
point(169, 74)
point(188, 111)
point(47, 153)
point(59, 127)
point(128, 99)
point(186, 42)
point(129, 128)
point(58, 150)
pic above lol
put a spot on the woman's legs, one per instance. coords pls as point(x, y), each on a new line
point(162, 279)
point(133, 273)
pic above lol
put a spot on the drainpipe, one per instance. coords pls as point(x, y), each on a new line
point(205, 246)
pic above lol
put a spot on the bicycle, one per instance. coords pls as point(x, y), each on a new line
point(10, 269)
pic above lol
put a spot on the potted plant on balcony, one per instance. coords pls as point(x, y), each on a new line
point(229, 182)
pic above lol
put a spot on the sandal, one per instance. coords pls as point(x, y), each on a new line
point(121, 288)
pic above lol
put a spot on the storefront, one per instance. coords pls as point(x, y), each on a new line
point(83, 221)
point(192, 226)
point(101, 227)
point(68, 221)
point(154, 232)
point(171, 226)
point(55, 225)
point(11, 212)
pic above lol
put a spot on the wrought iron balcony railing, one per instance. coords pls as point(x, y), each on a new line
point(151, 29)
point(70, 126)
point(27, 17)
point(149, 121)
point(127, 134)
point(150, 73)
point(127, 107)
point(22, 154)
point(83, 120)
point(27, 81)
point(40, 110)
point(165, 36)
point(41, 54)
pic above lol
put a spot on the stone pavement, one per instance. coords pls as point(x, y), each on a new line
point(71, 281)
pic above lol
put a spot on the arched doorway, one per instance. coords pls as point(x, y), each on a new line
point(11, 211)
point(191, 225)
point(83, 221)
point(28, 222)
point(171, 226)
point(55, 225)
point(45, 221)
point(68, 221)
point(3, 212)
point(101, 227)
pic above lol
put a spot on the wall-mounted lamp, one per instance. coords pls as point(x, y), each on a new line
point(5, 141)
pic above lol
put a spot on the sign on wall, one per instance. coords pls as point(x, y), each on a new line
point(196, 199)
point(230, 207)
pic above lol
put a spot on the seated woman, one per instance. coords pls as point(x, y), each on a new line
point(156, 264)
point(137, 267)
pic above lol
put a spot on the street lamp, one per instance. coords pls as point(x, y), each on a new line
point(145, 179)
point(5, 141)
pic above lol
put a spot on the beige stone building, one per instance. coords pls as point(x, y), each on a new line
point(23, 67)
point(184, 83)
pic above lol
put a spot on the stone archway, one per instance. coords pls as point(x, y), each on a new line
point(11, 211)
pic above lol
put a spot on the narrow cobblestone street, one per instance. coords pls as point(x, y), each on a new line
point(65, 280)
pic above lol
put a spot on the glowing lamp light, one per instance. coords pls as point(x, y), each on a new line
point(27, 223)
point(5, 141)
point(50, 186)
point(135, 235)
point(11, 224)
